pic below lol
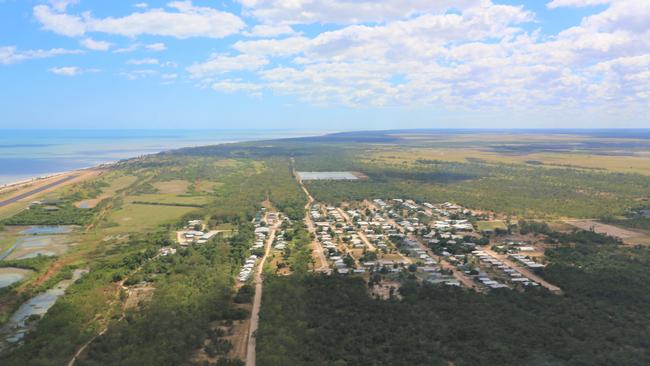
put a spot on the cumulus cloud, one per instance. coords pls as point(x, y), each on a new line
point(221, 64)
point(181, 20)
point(64, 24)
point(91, 44)
point(156, 47)
point(454, 53)
point(143, 61)
point(477, 56)
point(263, 31)
point(576, 3)
point(11, 55)
point(70, 71)
point(345, 11)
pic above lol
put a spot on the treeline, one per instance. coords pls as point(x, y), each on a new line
point(64, 214)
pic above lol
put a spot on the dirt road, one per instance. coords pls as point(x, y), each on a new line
point(460, 276)
point(257, 301)
point(360, 233)
point(628, 236)
point(316, 247)
point(551, 287)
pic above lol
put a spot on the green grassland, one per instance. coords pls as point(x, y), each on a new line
point(491, 225)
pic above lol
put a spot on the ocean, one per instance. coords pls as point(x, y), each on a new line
point(26, 154)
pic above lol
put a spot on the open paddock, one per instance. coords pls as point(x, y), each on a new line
point(172, 187)
point(142, 218)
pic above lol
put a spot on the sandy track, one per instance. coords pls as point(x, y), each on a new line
point(316, 247)
point(257, 301)
point(607, 229)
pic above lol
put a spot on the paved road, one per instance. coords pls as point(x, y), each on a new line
point(551, 287)
point(257, 301)
point(36, 190)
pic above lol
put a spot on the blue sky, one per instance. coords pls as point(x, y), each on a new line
point(328, 65)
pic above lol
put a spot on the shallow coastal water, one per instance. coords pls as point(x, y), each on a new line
point(27, 154)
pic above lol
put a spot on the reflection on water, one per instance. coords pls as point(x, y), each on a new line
point(18, 325)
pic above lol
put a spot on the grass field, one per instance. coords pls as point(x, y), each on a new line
point(639, 164)
point(142, 218)
point(172, 187)
point(491, 225)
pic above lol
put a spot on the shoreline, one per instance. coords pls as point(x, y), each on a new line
point(25, 182)
point(39, 178)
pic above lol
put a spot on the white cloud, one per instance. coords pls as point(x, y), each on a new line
point(143, 61)
point(576, 3)
point(185, 21)
point(70, 70)
point(91, 44)
point(220, 64)
point(11, 55)
point(235, 86)
point(345, 11)
point(141, 5)
point(156, 47)
point(265, 31)
point(273, 47)
point(478, 57)
point(64, 24)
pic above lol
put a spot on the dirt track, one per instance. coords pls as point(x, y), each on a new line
point(601, 228)
point(257, 301)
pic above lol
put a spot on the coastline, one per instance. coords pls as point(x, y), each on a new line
point(41, 178)
point(37, 179)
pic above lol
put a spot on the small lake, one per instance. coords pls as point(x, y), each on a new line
point(16, 328)
point(10, 275)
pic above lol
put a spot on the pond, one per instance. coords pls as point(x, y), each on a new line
point(10, 275)
point(39, 240)
point(18, 325)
